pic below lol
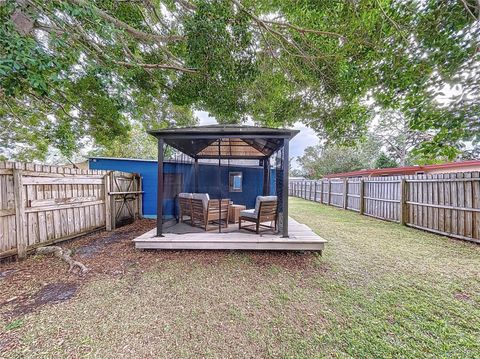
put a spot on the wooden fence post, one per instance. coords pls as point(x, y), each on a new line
point(315, 192)
point(140, 197)
point(19, 214)
point(345, 193)
point(402, 210)
point(310, 191)
point(108, 204)
point(321, 191)
point(135, 202)
point(361, 204)
point(329, 187)
point(113, 206)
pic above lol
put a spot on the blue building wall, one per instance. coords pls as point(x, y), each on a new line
point(208, 181)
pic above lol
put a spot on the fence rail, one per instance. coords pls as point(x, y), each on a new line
point(447, 204)
point(40, 204)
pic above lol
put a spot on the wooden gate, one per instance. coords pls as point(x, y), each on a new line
point(124, 203)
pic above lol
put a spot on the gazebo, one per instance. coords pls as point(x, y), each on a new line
point(217, 144)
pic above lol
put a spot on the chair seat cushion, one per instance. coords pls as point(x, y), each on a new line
point(248, 213)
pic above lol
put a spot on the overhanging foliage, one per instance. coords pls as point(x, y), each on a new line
point(76, 69)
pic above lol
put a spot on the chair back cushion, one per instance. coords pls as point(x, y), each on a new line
point(261, 199)
point(185, 195)
point(203, 196)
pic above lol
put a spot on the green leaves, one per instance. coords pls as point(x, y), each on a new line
point(384, 161)
point(219, 45)
point(89, 70)
point(322, 160)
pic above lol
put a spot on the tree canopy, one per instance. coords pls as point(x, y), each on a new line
point(323, 159)
point(76, 73)
point(401, 141)
point(384, 161)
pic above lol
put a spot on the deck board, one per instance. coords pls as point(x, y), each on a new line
point(301, 237)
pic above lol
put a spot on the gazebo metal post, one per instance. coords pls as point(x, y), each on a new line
point(196, 169)
point(160, 188)
point(266, 176)
point(286, 142)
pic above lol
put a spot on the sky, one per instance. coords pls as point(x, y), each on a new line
point(304, 139)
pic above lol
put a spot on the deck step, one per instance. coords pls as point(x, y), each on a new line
point(295, 245)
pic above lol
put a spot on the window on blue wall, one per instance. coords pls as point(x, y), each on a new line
point(235, 181)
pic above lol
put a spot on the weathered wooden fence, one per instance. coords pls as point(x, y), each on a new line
point(447, 204)
point(40, 204)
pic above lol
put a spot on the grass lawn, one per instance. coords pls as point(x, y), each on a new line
point(380, 290)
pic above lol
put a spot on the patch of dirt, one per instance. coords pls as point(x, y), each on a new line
point(50, 293)
point(103, 241)
point(7, 272)
point(55, 292)
point(8, 341)
point(104, 253)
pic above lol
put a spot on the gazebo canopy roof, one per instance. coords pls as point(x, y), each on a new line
point(225, 141)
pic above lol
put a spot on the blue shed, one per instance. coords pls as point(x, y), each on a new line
point(179, 177)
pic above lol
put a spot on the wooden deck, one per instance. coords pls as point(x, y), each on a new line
point(302, 238)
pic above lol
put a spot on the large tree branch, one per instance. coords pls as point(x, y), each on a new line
point(138, 34)
point(53, 102)
point(472, 8)
point(6, 128)
point(304, 30)
point(157, 66)
point(92, 46)
point(397, 27)
point(186, 5)
point(282, 38)
point(287, 25)
point(152, 8)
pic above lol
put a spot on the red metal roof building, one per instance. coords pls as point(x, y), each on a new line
point(463, 166)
